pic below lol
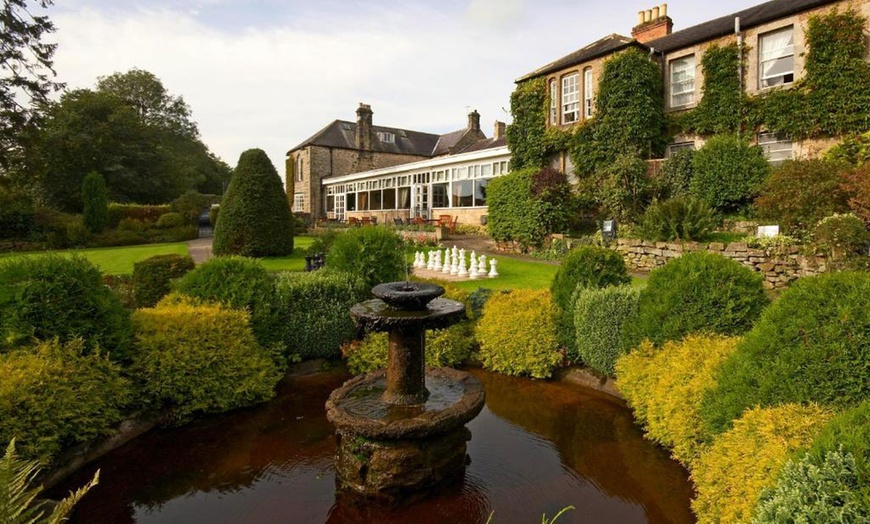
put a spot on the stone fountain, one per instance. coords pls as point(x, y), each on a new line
point(402, 431)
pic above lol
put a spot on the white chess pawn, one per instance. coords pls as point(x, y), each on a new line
point(430, 260)
point(419, 263)
point(463, 271)
point(436, 265)
point(446, 267)
point(455, 252)
point(481, 265)
point(473, 274)
point(492, 271)
point(454, 264)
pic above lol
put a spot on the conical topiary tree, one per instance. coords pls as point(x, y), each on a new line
point(255, 219)
point(96, 202)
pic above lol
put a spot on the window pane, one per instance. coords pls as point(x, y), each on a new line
point(463, 193)
point(682, 81)
point(776, 58)
point(439, 195)
point(480, 192)
point(330, 203)
point(404, 198)
point(375, 200)
point(350, 203)
point(777, 148)
point(570, 98)
point(587, 92)
point(389, 199)
point(362, 201)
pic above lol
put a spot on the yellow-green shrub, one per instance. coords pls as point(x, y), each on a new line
point(517, 334)
point(665, 388)
point(200, 358)
point(731, 474)
point(54, 396)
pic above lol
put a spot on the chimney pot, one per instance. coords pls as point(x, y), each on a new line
point(656, 24)
point(640, 18)
point(647, 15)
point(655, 13)
point(664, 10)
point(499, 131)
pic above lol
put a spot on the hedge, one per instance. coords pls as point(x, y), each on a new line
point(728, 173)
point(444, 347)
point(152, 276)
point(375, 254)
point(599, 315)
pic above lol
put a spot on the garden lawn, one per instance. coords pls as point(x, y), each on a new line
point(294, 262)
point(113, 260)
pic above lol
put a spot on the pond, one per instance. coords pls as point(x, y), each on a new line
point(536, 448)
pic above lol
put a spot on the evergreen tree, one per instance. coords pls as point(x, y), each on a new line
point(96, 202)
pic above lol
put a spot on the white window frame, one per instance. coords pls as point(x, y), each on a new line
point(386, 137)
point(571, 98)
point(588, 87)
point(768, 56)
point(297, 176)
point(679, 146)
point(554, 103)
point(777, 148)
point(298, 202)
point(682, 81)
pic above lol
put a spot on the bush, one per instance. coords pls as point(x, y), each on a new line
point(728, 173)
point(665, 389)
point(807, 491)
point(625, 187)
point(680, 218)
point(191, 204)
point(53, 397)
point(96, 202)
point(517, 334)
point(599, 315)
point(730, 475)
point(144, 213)
point(240, 283)
point(848, 432)
point(198, 359)
point(856, 183)
point(323, 241)
point(444, 347)
point(170, 220)
point(843, 239)
point(698, 292)
point(811, 345)
point(255, 218)
point(213, 214)
point(853, 150)
point(799, 193)
point(677, 174)
point(122, 287)
point(315, 309)
point(585, 267)
point(375, 254)
point(44, 297)
point(17, 215)
point(151, 277)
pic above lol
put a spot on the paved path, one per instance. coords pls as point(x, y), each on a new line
point(200, 249)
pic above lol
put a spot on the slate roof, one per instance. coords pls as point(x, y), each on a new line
point(341, 134)
point(486, 143)
point(605, 46)
point(446, 141)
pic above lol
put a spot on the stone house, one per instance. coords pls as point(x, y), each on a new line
point(772, 33)
point(342, 148)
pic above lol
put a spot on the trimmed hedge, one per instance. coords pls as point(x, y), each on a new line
point(731, 474)
point(151, 277)
point(51, 296)
point(517, 334)
point(255, 218)
point(698, 292)
point(811, 345)
point(143, 212)
point(170, 220)
point(665, 388)
point(728, 172)
point(315, 309)
point(54, 396)
point(375, 254)
point(599, 315)
point(200, 358)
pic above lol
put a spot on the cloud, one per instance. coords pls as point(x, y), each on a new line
point(497, 14)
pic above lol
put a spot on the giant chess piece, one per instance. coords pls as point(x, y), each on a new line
point(472, 272)
point(454, 263)
point(430, 262)
point(492, 271)
point(446, 268)
point(436, 265)
point(463, 271)
point(481, 265)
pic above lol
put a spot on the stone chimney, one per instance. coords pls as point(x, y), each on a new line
point(364, 127)
point(499, 131)
point(652, 23)
point(474, 121)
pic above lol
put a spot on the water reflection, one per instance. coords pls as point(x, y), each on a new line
point(536, 448)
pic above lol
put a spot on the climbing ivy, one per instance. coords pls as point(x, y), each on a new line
point(723, 105)
point(526, 136)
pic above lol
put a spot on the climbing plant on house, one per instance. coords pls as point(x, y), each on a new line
point(722, 109)
point(526, 136)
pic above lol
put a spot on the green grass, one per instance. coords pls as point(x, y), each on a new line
point(295, 262)
point(113, 260)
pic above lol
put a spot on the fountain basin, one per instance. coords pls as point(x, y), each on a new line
point(377, 315)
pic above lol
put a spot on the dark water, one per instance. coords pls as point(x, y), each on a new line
point(536, 448)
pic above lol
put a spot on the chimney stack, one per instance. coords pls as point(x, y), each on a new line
point(652, 23)
point(364, 127)
point(474, 121)
point(499, 131)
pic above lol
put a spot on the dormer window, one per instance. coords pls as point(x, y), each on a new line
point(386, 137)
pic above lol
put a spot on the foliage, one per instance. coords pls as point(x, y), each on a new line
point(213, 214)
point(854, 150)
point(856, 182)
point(44, 297)
point(807, 491)
point(799, 193)
point(170, 220)
point(599, 315)
point(622, 186)
point(665, 388)
point(849, 432)
point(141, 212)
point(444, 347)
point(151, 277)
point(698, 292)
point(314, 311)
point(554, 201)
point(842, 238)
point(240, 283)
point(680, 218)
point(191, 204)
point(723, 106)
point(731, 474)
point(810, 345)
point(517, 334)
point(526, 136)
point(19, 492)
point(323, 241)
point(198, 359)
point(586, 267)
point(96, 202)
point(374, 254)
point(255, 218)
point(54, 396)
point(677, 173)
point(728, 173)
point(17, 213)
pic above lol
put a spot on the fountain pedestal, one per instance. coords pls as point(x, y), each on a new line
point(402, 431)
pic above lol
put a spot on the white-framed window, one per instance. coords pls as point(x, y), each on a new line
point(682, 81)
point(777, 148)
point(587, 92)
point(297, 174)
point(298, 202)
point(776, 58)
point(554, 103)
point(570, 98)
point(679, 146)
point(386, 137)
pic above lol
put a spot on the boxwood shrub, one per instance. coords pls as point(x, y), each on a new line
point(728, 173)
point(200, 358)
point(314, 311)
point(811, 345)
point(698, 292)
point(376, 254)
point(517, 334)
point(151, 277)
point(732, 473)
point(55, 395)
point(51, 296)
point(599, 315)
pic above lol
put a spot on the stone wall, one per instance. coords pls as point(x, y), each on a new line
point(780, 266)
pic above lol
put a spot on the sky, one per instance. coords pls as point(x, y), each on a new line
point(271, 73)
